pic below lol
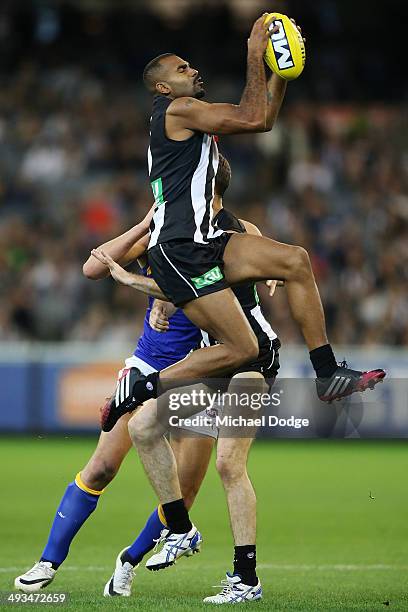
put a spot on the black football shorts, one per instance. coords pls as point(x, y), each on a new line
point(186, 270)
point(267, 362)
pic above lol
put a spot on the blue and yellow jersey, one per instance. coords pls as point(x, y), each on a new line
point(161, 350)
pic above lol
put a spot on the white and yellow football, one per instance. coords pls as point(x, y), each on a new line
point(285, 53)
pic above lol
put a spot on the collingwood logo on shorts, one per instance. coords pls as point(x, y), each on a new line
point(281, 47)
point(208, 278)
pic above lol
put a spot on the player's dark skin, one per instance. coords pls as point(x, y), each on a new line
point(246, 257)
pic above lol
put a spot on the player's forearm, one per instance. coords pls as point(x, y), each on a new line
point(276, 89)
point(117, 248)
point(253, 101)
point(148, 286)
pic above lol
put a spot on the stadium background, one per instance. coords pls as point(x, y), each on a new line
point(332, 176)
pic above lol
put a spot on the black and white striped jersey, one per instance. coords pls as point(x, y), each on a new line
point(182, 176)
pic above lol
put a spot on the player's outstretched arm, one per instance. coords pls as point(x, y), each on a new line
point(276, 89)
point(122, 249)
point(250, 115)
point(145, 285)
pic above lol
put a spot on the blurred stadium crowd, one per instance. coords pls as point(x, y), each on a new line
point(73, 139)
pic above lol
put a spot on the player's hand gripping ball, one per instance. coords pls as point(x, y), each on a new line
point(285, 53)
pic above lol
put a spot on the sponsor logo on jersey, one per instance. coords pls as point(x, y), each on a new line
point(281, 47)
point(157, 188)
point(208, 278)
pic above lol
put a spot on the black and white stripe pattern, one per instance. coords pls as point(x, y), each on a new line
point(123, 389)
point(338, 386)
point(185, 171)
point(263, 331)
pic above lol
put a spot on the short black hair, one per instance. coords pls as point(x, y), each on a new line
point(151, 70)
point(223, 176)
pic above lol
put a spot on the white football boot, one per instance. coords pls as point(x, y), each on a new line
point(235, 591)
point(175, 545)
point(38, 577)
point(122, 578)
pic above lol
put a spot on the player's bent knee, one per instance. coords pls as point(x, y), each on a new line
point(244, 353)
point(229, 471)
point(299, 261)
point(250, 350)
point(136, 430)
point(140, 431)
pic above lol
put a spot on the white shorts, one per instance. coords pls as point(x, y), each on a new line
point(145, 368)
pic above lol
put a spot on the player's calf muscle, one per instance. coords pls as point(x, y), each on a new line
point(99, 473)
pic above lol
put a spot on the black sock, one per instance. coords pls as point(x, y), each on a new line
point(54, 566)
point(245, 564)
point(126, 558)
point(177, 517)
point(323, 361)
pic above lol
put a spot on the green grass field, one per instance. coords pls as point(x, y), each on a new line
point(323, 544)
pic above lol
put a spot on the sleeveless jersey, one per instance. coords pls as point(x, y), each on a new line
point(161, 350)
point(182, 175)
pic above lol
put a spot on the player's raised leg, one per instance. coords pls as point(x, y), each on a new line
point(265, 258)
point(77, 504)
point(219, 314)
point(192, 457)
point(249, 257)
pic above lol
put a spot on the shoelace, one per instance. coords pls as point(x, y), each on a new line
point(126, 577)
point(163, 537)
point(343, 364)
point(226, 587)
point(39, 565)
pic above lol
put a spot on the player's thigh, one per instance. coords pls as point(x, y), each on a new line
point(192, 455)
point(258, 258)
point(112, 448)
point(221, 315)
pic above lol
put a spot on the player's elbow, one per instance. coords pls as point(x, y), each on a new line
point(240, 124)
point(256, 126)
point(89, 270)
point(260, 128)
point(268, 125)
